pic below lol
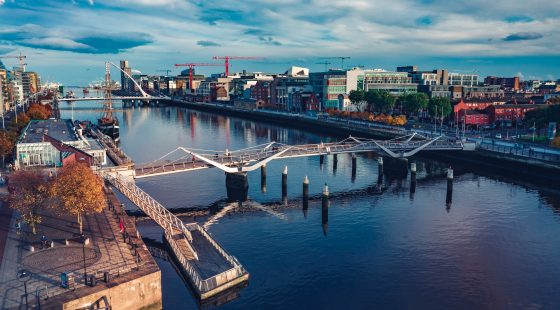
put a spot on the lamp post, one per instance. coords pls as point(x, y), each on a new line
point(24, 276)
point(83, 240)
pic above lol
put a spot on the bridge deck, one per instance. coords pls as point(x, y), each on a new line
point(227, 160)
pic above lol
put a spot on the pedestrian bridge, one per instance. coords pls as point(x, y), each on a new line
point(209, 268)
point(245, 160)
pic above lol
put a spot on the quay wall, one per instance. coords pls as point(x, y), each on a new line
point(515, 166)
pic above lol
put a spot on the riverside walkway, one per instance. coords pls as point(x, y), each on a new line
point(209, 268)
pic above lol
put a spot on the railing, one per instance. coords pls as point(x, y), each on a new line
point(171, 223)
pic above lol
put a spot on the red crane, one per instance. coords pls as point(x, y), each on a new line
point(228, 58)
point(192, 65)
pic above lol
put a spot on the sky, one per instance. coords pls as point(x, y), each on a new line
point(69, 41)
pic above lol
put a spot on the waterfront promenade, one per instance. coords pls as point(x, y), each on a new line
point(105, 252)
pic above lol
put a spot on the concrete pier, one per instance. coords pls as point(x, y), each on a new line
point(237, 186)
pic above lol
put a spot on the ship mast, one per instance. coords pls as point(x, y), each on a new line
point(108, 102)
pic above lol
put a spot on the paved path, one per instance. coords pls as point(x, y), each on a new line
point(105, 252)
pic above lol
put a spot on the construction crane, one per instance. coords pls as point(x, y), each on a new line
point(166, 71)
point(326, 63)
point(191, 67)
point(20, 57)
point(228, 58)
point(342, 58)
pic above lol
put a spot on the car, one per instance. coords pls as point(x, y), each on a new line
point(498, 136)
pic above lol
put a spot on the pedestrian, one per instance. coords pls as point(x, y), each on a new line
point(18, 226)
point(43, 241)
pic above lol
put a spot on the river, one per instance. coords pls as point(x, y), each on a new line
point(495, 246)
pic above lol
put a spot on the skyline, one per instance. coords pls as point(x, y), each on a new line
point(68, 41)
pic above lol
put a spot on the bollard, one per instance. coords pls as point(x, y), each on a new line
point(31, 248)
point(353, 167)
point(305, 195)
point(325, 210)
point(66, 242)
point(380, 164)
point(106, 277)
point(263, 178)
point(413, 168)
point(285, 182)
point(449, 195)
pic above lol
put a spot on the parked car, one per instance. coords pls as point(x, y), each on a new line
point(498, 136)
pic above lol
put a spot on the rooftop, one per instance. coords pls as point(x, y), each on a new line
point(60, 129)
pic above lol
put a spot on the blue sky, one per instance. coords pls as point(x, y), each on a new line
point(69, 40)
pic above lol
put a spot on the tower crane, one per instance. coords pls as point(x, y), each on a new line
point(192, 65)
point(326, 63)
point(342, 58)
point(20, 57)
point(165, 70)
point(228, 58)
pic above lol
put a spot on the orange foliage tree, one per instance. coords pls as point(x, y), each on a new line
point(28, 193)
point(79, 191)
point(555, 142)
point(37, 111)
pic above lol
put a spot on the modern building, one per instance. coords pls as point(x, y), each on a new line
point(435, 91)
point(396, 83)
point(485, 91)
point(282, 89)
point(54, 142)
point(506, 83)
point(126, 83)
point(460, 79)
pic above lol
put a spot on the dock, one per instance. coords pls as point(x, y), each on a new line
point(115, 154)
point(208, 267)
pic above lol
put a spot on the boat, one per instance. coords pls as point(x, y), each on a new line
point(108, 124)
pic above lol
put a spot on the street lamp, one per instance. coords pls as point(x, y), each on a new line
point(83, 240)
point(24, 276)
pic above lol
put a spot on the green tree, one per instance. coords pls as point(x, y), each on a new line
point(358, 98)
point(439, 104)
point(78, 190)
point(541, 117)
point(412, 103)
point(28, 193)
point(380, 100)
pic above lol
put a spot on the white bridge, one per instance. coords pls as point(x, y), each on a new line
point(184, 159)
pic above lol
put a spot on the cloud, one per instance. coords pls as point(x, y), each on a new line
point(6, 49)
point(207, 43)
point(255, 32)
point(269, 40)
point(424, 21)
point(518, 19)
point(523, 36)
point(56, 44)
point(2, 2)
point(115, 43)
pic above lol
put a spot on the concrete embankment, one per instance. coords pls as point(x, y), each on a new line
point(541, 172)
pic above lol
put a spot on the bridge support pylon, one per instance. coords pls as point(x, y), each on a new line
point(237, 186)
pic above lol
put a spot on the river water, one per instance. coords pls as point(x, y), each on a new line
point(495, 246)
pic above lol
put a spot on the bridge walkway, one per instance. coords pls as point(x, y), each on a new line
point(209, 268)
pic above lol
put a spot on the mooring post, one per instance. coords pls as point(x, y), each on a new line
point(285, 182)
point(321, 159)
point(380, 164)
point(353, 167)
point(305, 196)
point(263, 178)
point(325, 209)
point(449, 196)
point(412, 178)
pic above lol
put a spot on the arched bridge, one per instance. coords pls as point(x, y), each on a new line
point(249, 159)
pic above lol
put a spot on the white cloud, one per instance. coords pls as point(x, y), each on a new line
point(54, 42)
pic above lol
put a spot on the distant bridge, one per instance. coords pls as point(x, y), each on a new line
point(116, 98)
point(241, 161)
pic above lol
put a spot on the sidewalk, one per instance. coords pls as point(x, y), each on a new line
point(106, 251)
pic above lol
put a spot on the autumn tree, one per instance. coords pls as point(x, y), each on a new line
point(7, 143)
point(22, 121)
point(79, 191)
point(28, 194)
point(37, 111)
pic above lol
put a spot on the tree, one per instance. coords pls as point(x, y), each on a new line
point(439, 104)
point(28, 193)
point(357, 97)
point(79, 191)
point(7, 143)
point(37, 111)
point(413, 102)
point(22, 121)
point(380, 100)
point(541, 117)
